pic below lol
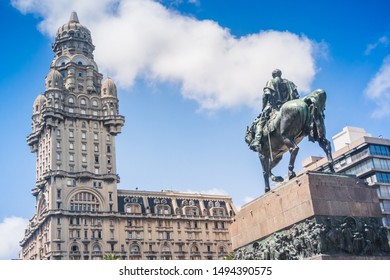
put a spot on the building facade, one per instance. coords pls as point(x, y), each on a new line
point(366, 157)
point(80, 213)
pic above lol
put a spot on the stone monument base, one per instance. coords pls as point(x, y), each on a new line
point(313, 216)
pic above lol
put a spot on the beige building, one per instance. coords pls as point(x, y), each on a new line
point(80, 213)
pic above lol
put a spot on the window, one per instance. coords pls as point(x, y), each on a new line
point(71, 157)
point(96, 248)
point(70, 100)
point(191, 211)
point(383, 178)
point(71, 145)
point(108, 149)
point(384, 191)
point(58, 132)
point(83, 147)
point(218, 211)
point(95, 136)
point(94, 103)
point(58, 193)
point(83, 101)
point(133, 208)
point(58, 156)
point(163, 210)
point(80, 74)
point(84, 158)
point(96, 148)
point(71, 133)
point(84, 202)
point(380, 150)
point(96, 159)
point(83, 135)
point(385, 205)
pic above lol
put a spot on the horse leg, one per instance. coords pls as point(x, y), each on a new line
point(276, 160)
point(265, 163)
point(293, 148)
point(326, 146)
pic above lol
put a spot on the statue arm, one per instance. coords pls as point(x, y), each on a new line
point(266, 96)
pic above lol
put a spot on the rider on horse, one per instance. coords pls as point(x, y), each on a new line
point(277, 91)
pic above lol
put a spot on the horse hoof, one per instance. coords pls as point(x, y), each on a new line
point(277, 179)
point(267, 189)
point(292, 175)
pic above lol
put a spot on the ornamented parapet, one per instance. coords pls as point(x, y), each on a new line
point(320, 235)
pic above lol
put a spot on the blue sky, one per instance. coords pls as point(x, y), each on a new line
point(190, 79)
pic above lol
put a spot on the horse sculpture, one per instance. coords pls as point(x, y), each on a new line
point(295, 120)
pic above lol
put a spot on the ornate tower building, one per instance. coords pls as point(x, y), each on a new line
point(74, 125)
point(80, 213)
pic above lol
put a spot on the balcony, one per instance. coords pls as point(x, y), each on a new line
point(181, 252)
point(75, 253)
point(148, 253)
point(57, 253)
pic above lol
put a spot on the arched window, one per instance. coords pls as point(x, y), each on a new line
point(194, 249)
point(94, 103)
point(96, 248)
point(84, 202)
point(70, 100)
point(134, 249)
point(75, 248)
point(165, 248)
point(83, 101)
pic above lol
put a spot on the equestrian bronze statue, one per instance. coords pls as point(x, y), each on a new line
point(283, 125)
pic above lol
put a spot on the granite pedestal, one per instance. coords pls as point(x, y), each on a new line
point(313, 216)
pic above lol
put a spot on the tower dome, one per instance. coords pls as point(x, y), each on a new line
point(54, 80)
point(109, 88)
point(39, 103)
point(74, 36)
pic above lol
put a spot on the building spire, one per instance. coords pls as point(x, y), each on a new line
point(74, 17)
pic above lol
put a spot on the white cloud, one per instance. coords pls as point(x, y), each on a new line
point(378, 90)
point(382, 41)
point(11, 232)
point(144, 39)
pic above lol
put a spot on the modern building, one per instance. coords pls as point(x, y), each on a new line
point(80, 213)
point(366, 157)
